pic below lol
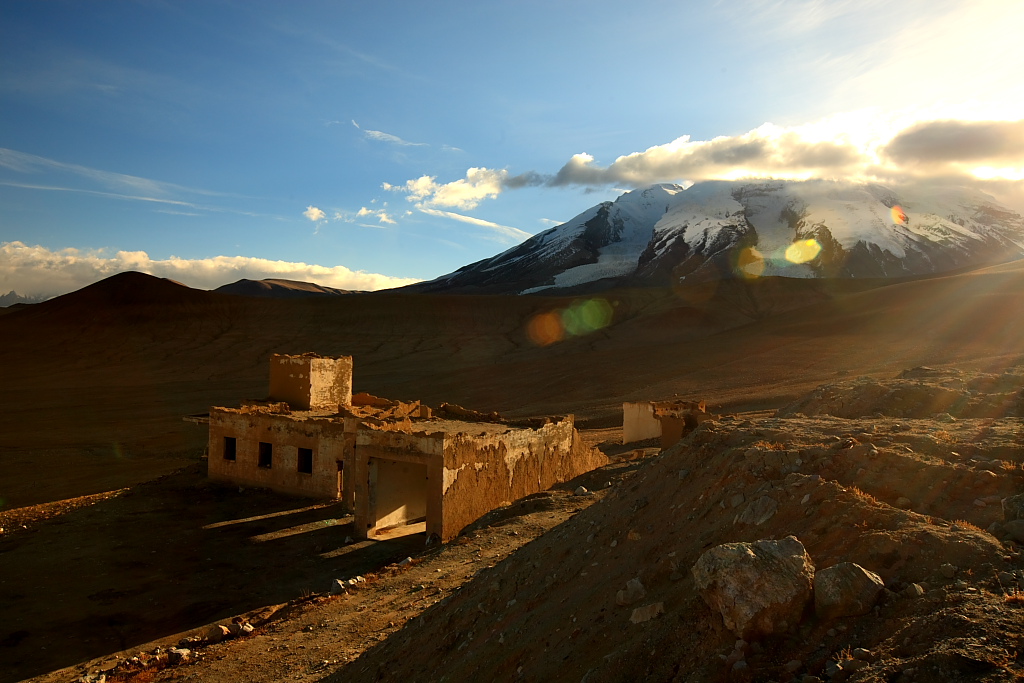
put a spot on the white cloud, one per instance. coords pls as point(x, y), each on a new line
point(507, 233)
point(465, 193)
point(381, 136)
point(38, 271)
point(314, 214)
point(381, 215)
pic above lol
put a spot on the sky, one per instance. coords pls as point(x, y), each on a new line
point(367, 145)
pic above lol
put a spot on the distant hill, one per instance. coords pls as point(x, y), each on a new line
point(278, 289)
point(12, 298)
point(667, 235)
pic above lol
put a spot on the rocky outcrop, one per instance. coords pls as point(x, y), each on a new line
point(845, 590)
point(759, 588)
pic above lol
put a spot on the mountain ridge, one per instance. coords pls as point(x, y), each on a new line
point(665, 233)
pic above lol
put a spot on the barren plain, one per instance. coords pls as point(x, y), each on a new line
point(880, 419)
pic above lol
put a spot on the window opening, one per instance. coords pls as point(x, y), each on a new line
point(306, 460)
point(230, 448)
point(266, 454)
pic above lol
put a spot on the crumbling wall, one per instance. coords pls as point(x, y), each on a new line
point(486, 471)
point(286, 434)
point(639, 422)
point(311, 382)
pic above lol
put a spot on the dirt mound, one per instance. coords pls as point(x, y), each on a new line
point(920, 392)
point(555, 610)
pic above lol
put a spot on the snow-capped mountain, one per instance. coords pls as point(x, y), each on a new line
point(665, 234)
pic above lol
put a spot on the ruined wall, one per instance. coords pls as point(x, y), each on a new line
point(483, 472)
point(639, 422)
point(286, 434)
point(390, 464)
point(309, 382)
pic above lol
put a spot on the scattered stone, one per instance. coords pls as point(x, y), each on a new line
point(759, 588)
point(337, 586)
point(736, 500)
point(947, 570)
point(793, 665)
point(1006, 578)
point(683, 474)
point(647, 612)
point(218, 633)
point(404, 562)
point(177, 655)
point(633, 592)
point(845, 590)
point(863, 654)
point(914, 590)
point(739, 666)
point(979, 503)
point(758, 511)
point(855, 664)
point(903, 503)
point(580, 491)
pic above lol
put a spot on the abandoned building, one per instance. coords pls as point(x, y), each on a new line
point(667, 421)
point(390, 462)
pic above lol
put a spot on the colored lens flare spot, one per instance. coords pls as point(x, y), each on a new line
point(582, 317)
point(803, 251)
point(750, 263)
point(899, 217)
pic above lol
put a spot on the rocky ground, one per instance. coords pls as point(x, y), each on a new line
point(912, 478)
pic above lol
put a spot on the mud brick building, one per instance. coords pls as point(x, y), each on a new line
point(390, 462)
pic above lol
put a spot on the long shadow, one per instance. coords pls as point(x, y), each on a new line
point(166, 557)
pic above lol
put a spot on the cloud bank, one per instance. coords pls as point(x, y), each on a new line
point(36, 271)
point(850, 146)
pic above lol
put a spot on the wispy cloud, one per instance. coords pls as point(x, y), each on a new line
point(38, 271)
point(22, 162)
point(505, 232)
point(141, 198)
point(381, 136)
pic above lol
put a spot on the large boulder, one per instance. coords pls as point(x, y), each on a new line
point(845, 590)
point(1013, 508)
point(759, 588)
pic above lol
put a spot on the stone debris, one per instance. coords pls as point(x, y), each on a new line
point(758, 511)
point(647, 612)
point(581, 491)
point(845, 590)
point(947, 570)
point(633, 592)
point(759, 588)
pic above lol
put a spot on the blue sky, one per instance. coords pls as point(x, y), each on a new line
point(365, 145)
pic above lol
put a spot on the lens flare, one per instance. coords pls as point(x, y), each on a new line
point(582, 317)
point(803, 251)
point(545, 329)
point(899, 217)
point(750, 263)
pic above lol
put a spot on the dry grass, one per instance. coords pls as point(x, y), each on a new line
point(769, 445)
point(964, 524)
point(863, 495)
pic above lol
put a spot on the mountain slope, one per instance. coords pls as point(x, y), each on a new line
point(665, 233)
